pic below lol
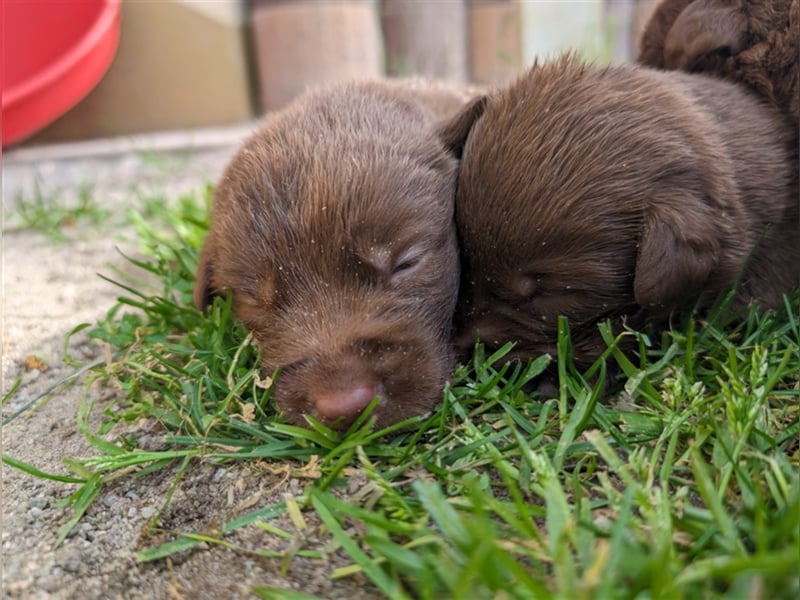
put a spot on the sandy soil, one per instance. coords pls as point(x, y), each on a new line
point(48, 288)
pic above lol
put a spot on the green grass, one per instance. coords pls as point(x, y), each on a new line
point(54, 216)
point(683, 485)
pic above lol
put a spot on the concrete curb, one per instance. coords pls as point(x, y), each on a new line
point(173, 162)
point(162, 141)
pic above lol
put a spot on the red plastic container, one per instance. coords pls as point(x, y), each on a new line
point(54, 53)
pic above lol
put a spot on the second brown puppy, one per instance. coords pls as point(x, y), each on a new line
point(617, 193)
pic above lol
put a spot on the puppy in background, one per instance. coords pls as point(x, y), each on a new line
point(617, 193)
point(333, 230)
point(753, 42)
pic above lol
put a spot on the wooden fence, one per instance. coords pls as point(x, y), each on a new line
point(301, 42)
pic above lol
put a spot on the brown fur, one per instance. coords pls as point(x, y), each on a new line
point(755, 42)
point(333, 229)
point(616, 193)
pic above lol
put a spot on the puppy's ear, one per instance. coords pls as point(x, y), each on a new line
point(455, 131)
point(651, 44)
point(704, 30)
point(203, 294)
point(678, 251)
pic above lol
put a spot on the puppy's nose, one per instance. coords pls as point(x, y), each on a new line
point(344, 404)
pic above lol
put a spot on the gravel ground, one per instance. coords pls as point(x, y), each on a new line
point(47, 289)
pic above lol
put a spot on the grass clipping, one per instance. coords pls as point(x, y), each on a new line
point(688, 488)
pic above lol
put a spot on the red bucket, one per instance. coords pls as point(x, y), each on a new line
point(54, 53)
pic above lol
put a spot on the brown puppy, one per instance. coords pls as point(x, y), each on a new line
point(333, 229)
point(616, 193)
point(754, 42)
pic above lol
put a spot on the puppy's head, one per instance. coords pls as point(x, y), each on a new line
point(752, 43)
point(704, 32)
point(589, 193)
point(694, 35)
point(333, 230)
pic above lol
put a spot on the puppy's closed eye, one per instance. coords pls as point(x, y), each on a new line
point(406, 264)
point(391, 266)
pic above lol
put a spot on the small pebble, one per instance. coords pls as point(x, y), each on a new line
point(39, 502)
point(72, 564)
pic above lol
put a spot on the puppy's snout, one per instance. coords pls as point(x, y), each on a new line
point(345, 404)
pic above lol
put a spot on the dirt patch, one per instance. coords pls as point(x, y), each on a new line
point(49, 288)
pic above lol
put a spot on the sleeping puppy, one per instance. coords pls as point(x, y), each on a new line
point(753, 42)
point(333, 230)
point(617, 193)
